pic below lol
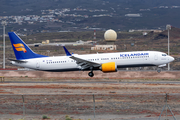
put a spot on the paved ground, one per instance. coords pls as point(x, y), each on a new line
point(91, 88)
point(98, 74)
point(128, 100)
point(88, 117)
point(123, 96)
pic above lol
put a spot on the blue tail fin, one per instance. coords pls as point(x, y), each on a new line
point(67, 52)
point(21, 50)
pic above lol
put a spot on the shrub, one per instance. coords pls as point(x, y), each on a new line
point(68, 118)
point(44, 117)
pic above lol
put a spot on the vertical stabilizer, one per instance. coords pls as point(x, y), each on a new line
point(67, 52)
point(21, 50)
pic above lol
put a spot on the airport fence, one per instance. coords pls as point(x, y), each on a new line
point(92, 105)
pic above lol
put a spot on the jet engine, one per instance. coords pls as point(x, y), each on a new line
point(109, 67)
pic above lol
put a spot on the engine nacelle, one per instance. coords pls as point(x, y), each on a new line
point(109, 67)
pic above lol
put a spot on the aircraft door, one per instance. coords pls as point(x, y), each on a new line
point(37, 64)
point(155, 56)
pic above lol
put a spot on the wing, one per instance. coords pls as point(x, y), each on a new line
point(85, 64)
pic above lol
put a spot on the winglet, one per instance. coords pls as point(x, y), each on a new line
point(67, 52)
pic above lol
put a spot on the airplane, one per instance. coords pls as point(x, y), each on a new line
point(106, 62)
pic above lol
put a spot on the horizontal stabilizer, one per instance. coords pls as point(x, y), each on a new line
point(18, 61)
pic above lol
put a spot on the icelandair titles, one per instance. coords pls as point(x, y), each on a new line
point(134, 54)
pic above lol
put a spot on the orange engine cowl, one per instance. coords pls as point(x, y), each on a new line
point(109, 67)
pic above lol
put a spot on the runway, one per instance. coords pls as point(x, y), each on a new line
point(141, 98)
point(97, 82)
point(98, 75)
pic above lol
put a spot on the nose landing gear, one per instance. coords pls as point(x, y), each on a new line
point(158, 70)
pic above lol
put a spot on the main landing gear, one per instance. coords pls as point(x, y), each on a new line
point(91, 74)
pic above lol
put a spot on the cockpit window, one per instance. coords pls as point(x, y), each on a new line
point(163, 54)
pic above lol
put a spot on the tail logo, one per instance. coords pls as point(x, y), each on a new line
point(20, 47)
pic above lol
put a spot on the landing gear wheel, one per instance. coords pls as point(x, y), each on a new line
point(159, 70)
point(91, 74)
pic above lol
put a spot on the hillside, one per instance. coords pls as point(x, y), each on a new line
point(19, 7)
point(81, 15)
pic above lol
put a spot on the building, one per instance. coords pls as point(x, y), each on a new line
point(133, 15)
point(104, 47)
point(45, 42)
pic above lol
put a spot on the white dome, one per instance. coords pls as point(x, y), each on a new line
point(110, 35)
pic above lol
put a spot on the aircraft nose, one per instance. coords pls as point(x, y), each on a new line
point(171, 58)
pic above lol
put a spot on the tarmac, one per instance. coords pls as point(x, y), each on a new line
point(125, 95)
point(97, 74)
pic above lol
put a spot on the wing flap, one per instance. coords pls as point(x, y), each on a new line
point(85, 64)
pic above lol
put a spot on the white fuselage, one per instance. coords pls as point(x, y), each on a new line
point(122, 59)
